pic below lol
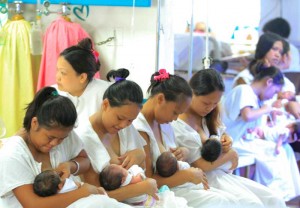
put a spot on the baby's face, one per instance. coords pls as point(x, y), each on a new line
point(286, 95)
point(292, 127)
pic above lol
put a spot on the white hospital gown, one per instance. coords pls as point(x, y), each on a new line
point(245, 75)
point(247, 192)
point(18, 167)
point(248, 78)
point(272, 170)
point(196, 196)
point(134, 171)
point(130, 139)
point(89, 102)
point(69, 185)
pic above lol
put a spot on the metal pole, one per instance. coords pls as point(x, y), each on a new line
point(191, 42)
point(158, 35)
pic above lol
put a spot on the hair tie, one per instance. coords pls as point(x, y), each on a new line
point(54, 93)
point(278, 79)
point(96, 55)
point(119, 79)
point(163, 75)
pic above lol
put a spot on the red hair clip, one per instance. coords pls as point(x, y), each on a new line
point(163, 75)
point(96, 55)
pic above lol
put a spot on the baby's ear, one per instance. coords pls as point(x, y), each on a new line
point(123, 179)
point(60, 185)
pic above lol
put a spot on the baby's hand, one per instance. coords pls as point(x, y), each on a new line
point(259, 132)
point(254, 133)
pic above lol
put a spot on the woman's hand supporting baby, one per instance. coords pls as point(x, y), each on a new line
point(196, 176)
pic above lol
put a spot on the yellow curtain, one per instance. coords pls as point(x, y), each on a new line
point(16, 77)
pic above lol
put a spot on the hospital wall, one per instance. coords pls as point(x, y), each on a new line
point(136, 47)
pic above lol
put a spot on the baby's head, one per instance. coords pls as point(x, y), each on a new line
point(47, 183)
point(296, 130)
point(211, 149)
point(112, 177)
point(166, 164)
point(286, 95)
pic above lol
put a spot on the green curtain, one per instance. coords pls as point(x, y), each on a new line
point(16, 76)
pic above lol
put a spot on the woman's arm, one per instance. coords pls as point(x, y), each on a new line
point(250, 114)
point(76, 166)
point(231, 156)
point(179, 178)
point(91, 177)
point(147, 186)
point(193, 175)
point(29, 199)
point(84, 162)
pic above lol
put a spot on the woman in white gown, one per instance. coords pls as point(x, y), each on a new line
point(243, 113)
point(47, 142)
point(202, 120)
point(76, 67)
point(272, 50)
point(170, 95)
point(104, 143)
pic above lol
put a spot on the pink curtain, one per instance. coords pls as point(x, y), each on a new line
point(58, 36)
